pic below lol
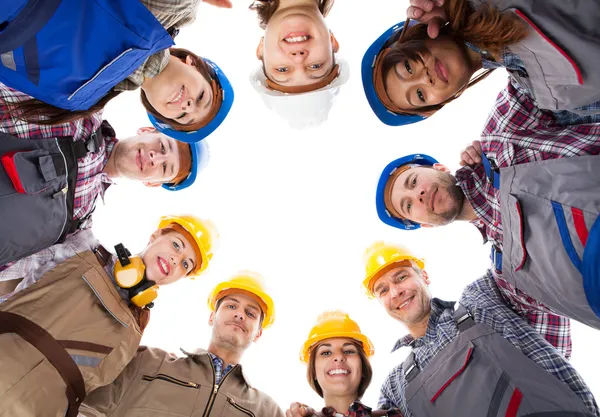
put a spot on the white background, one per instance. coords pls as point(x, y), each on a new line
point(298, 206)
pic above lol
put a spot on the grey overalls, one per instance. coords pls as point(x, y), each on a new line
point(551, 240)
point(37, 189)
point(482, 374)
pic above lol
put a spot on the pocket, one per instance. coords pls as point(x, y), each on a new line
point(591, 267)
point(32, 172)
point(233, 409)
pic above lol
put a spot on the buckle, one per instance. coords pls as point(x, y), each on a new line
point(90, 144)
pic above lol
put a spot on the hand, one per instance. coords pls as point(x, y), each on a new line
point(430, 12)
point(226, 4)
point(472, 154)
point(299, 410)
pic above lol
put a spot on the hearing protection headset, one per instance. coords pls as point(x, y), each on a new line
point(130, 274)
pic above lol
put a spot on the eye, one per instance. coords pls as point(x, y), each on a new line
point(349, 352)
point(163, 150)
point(407, 66)
point(180, 116)
point(325, 353)
point(176, 246)
point(251, 315)
point(420, 95)
point(200, 97)
point(282, 69)
point(185, 265)
point(231, 306)
point(315, 66)
point(402, 278)
point(382, 292)
point(164, 165)
point(414, 181)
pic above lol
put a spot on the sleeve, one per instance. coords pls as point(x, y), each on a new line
point(389, 389)
point(103, 401)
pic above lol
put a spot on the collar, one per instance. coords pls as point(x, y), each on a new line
point(437, 308)
point(467, 178)
point(200, 354)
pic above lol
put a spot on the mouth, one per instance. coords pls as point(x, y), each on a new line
point(163, 266)
point(405, 303)
point(441, 71)
point(239, 326)
point(177, 97)
point(338, 372)
point(432, 200)
point(297, 37)
point(139, 160)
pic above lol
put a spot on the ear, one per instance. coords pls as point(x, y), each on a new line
point(258, 335)
point(425, 225)
point(143, 130)
point(335, 45)
point(259, 49)
point(426, 277)
point(152, 184)
point(211, 318)
point(441, 167)
point(189, 60)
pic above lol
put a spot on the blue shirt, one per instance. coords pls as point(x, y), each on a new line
point(512, 63)
point(485, 303)
point(218, 365)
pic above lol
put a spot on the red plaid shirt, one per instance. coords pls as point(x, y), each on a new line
point(517, 132)
point(91, 181)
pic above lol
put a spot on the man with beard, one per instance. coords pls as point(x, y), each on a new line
point(535, 197)
point(475, 357)
point(205, 382)
point(51, 175)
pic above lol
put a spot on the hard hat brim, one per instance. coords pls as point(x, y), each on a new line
point(200, 157)
point(198, 135)
point(386, 116)
point(384, 215)
point(359, 337)
point(264, 297)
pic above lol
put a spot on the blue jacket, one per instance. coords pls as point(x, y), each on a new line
point(71, 53)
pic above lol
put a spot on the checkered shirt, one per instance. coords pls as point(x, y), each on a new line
point(485, 303)
point(170, 14)
point(589, 113)
point(218, 365)
point(91, 181)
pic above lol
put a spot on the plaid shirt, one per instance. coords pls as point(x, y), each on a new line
point(484, 302)
point(91, 181)
point(170, 14)
point(218, 365)
point(513, 64)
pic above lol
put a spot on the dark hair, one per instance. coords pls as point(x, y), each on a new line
point(487, 27)
point(262, 313)
point(367, 370)
point(41, 113)
point(202, 68)
point(266, 8)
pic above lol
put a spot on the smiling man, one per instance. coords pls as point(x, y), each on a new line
point(51, 176)
point(206, 382)
point(534, 193)
point(475, 355)
point(73, 314)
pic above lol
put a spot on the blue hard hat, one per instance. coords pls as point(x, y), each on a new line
point(386, 116)
point(384, 215)
point(200, 157)
point(198, 135)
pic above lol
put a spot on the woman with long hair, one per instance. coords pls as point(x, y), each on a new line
point(338, 369)
point(73, 57)
point(300, 72)
point(550, 53)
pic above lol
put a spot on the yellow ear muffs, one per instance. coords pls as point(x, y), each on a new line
point(130, 274)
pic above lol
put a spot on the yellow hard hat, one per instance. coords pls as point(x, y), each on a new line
point(203, 232)
point(332, 324)
point(380, 257)
point(245, 281)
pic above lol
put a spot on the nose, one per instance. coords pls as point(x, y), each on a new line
point(339, 358)
point(239, 315)
point(298, 55)
point(395, 291)
point(188, 105)
point(425, 76)
point(156, 157)
point(176, 259)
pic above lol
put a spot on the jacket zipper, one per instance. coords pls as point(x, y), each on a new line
point(170, 379)
point(239, 407)
point(102, 302)
point(213, 395)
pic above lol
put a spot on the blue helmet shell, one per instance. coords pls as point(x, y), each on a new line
point(200, 157)
point(386, 116)
point(382, 212)
point(198, 135)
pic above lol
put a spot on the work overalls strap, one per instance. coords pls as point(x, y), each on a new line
point(494, 177)
point(480, 373)
point(52, 350)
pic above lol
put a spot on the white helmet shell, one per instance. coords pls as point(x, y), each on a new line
point(303, 109)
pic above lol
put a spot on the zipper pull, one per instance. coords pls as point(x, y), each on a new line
point(60, 193)
point(216, 388)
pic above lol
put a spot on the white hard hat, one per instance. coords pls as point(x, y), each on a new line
point(302, 109)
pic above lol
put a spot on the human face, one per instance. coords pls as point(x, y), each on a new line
point(297, 48)
point(338, 367)
point(180, 92)
point(168, 257)
point(404, 293)
point(428, 196)
point(444, 71)
point(150, 157)
point(236, 323)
